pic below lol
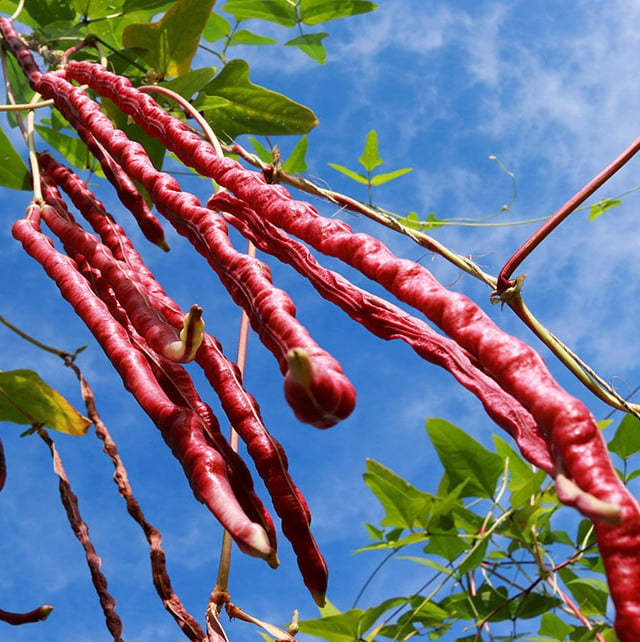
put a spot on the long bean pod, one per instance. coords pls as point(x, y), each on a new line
point(203, 466)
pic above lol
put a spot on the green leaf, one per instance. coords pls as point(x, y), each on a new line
point(169, 45)
point(432, 222)
point(474, 558)
point(358, 178)
point(633, 475)
point(370, 158)
point(447, 545)
point(134, 12)
point(72, 148)
point(246, 37)
point(314, 12)
point(151, 6)
point(530, 605)
point(216, 28)
point(429, 563)
point(190, 83)
point(96, 8)
point(464, 459)
point(427, 612)
point(602, 206)
point(22, 92)
point(392, 539)
point(264, 154)
point(381, 179)
point(591, 595)
point(374, 533)
point(337, 628)
point(27, 400)
point(240, 107)
point(404, 504)
point(282, 12)
point(45, 12)
point(524, 482)
point(626, 440)
point(554, 627)
point(413, 222)
point(372, 614)
point(311, 44)
point(446, 503)
point(296, 163)
point(487, 601)
point(13, 171)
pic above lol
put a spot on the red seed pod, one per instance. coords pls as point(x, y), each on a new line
point(151, 325)
point(180, 428)
point(128, 194)
point(270, 461)
point(13, 43)
point(390, 322)
point(178, 386)
point(18, 619)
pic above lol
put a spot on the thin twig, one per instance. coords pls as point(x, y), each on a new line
point(63, 354)
point(220, 593)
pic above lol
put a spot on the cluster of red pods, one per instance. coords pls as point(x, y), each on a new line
point(147, 337)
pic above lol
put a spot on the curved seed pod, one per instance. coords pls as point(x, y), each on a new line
point(178, 386)
point(387, 321)
point(204, 467)
point(271, 463)
point(17, 619)
point(13, 43)
point(94, 212)
point(128, 193)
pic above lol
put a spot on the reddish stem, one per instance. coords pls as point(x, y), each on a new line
point(563, 212)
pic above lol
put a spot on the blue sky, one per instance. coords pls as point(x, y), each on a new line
point(550, 89)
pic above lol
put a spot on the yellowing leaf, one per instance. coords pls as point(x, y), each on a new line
point(169, 45)
point(26, 399)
